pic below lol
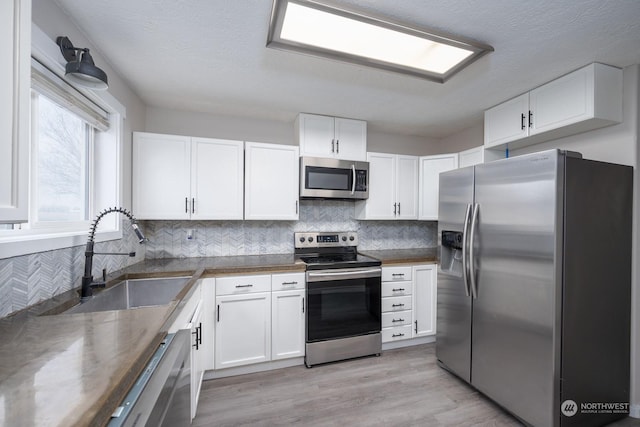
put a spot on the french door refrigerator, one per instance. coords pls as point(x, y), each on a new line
point(533, 305)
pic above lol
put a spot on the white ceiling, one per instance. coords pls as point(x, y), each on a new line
point(210, 56)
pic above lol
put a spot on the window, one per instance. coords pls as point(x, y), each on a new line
point(60, 149)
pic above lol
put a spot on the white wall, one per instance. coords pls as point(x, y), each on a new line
point(469, 138)
point(162, 120)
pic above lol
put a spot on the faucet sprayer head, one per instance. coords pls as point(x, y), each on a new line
point(138, 232)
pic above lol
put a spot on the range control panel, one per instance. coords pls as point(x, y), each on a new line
point(325, 239)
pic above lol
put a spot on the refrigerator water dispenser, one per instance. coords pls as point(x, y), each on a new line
point(451, 252)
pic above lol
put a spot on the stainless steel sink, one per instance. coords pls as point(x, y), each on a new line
point(133, 293)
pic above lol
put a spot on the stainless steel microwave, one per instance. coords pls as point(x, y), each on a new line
point(333, 178)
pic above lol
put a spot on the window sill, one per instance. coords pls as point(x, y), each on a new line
point(26, 244)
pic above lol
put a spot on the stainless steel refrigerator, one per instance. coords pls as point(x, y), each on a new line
point(534, 285)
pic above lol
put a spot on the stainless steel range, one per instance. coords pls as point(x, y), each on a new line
point(343, 297)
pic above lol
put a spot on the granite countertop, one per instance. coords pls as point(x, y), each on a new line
point(74, 369)
point(404, 256)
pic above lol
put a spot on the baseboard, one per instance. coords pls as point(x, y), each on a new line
point(251, 369)
point(407, 343)
point(634, 411)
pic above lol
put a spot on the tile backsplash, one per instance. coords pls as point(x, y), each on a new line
point(28, 279)
point(168, 239)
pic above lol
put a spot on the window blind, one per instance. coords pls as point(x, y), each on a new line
point(52, 86)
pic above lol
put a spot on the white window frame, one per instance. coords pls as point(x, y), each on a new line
point(105, 190)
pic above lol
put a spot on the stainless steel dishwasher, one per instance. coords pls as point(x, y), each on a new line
point(161, 395)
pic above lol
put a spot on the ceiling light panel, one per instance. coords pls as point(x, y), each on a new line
point(309, 27)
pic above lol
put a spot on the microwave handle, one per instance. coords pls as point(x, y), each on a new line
point(353, 183)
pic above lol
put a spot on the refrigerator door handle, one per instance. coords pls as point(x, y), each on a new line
point(472, 261)
point(465, 267)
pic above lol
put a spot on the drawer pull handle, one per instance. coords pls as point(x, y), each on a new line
point(397, 289)
point(397, 305)
point(290, 283)
point(397, 274)
point(244, 286)
point(397, 320)
point(397, 335)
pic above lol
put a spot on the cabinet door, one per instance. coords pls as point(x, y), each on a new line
point(316, 135)
point(287, 323)
point(271, 181)
point(161, 176)
point(473, 156)
point(429, 193)
point(15, 83)
point(562, 102)
point(351, 139)
point(407, 187)
point(380, 204)
point(208, 322)
point(217, 179)
point(243, 329)
point(507, 122)
point(197, 358)
point(424, 300)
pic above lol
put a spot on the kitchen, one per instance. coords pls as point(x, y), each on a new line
point(172, 107)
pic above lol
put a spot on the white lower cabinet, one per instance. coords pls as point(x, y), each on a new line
point(287, 324)
point(397, 303)
point(424, 300)
point(259, 318)
point(243, 329)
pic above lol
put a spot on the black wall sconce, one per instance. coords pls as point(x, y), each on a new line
point(80, 68)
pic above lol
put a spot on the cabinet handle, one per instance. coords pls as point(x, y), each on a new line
point(290, 283)
point(397, 289)
point(303, 304)
point(416, 329)
point(522, 121)
point(337, 146)
point(218, 312)
point(394, 208)
point(398, 208)
point(397, 320)
point(397, 335)
point(397, 305)
point(186, 205)
point(196, 334)
point(397, 274)
point(296, 207)
point(530, 119)
point(193, 205)
point(244, 286)
point(333, 141)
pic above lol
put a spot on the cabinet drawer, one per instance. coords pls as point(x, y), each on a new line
point(242, 284)
point(288, 281)
point(396, 334)
point(399, 318)
point(396, 289)
point(390, 274)
point(396, 303)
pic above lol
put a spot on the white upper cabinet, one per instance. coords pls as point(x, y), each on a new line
point(179, 177)
point(271, 181)
point(393, 185)
point(429, 189)
point(325, 136)
point(216, 179)
point(15, 75)
point(585, 99)
point(473, 156)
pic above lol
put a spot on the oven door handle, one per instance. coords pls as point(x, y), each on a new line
point(343, 274)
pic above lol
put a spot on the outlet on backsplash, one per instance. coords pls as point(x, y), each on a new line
point(191, 234)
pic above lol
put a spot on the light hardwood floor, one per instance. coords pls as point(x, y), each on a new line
point(403, 387)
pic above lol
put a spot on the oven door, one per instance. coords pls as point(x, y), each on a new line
point(343, 303)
